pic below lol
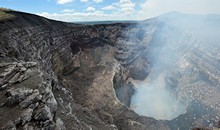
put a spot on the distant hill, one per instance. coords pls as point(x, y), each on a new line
point(103, 22)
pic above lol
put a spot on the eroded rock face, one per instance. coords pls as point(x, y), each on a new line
point(56, 75)
point(23, 99)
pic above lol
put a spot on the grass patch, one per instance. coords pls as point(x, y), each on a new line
point(5, 14)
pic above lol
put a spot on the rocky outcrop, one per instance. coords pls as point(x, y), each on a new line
point(27, 99)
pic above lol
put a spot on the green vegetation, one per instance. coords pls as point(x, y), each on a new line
point(5, 14)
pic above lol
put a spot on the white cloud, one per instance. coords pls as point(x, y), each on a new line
point(88, 16)
point(98, 1)
point(90, 9)
point(122, 10)
point(110, 7)
point(83, 0)
point(151, 8)
point(64, 1)
point(125, 10)
point(68, 10)
point(125, 6)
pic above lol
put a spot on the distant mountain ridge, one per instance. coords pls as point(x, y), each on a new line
point(104, 22)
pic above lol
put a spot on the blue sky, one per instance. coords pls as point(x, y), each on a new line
point(94, 10)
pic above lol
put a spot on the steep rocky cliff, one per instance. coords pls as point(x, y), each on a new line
point(56, 75)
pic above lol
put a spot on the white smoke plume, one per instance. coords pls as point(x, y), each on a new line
point(176, 36)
